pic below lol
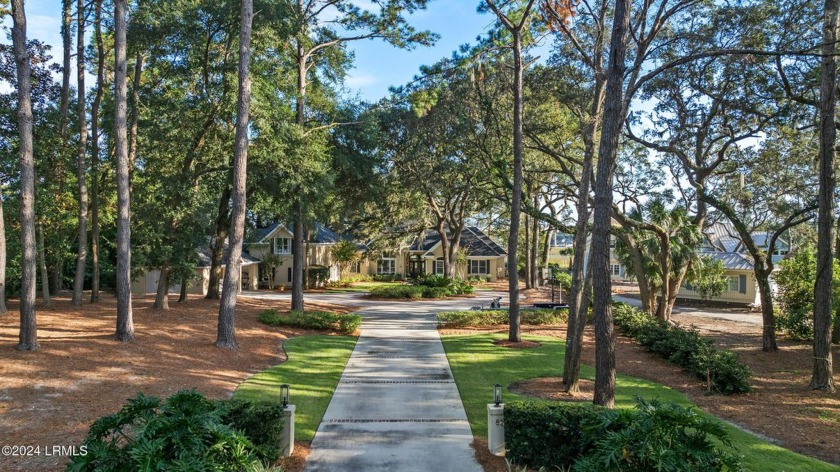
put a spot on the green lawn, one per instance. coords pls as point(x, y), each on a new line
point(362, 287)
point(314, 367)
point(477, 364)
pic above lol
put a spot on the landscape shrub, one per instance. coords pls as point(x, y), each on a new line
point(186, 432)
point(388, 278)
point(655, 436)
point(546, 435)
point(436, 292)
point(318, 276)
point(797, 322)
point(477, 280)
point(460, 319)
point(462, 287)
point(397, 292)
point(432, 280)
point(260, 422)
point(584, 437)
point(722, 370)
point(318, 320)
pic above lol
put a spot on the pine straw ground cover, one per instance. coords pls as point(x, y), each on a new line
point(781, 408)
point(51, 396)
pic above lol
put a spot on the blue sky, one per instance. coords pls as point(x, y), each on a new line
point(377, 66)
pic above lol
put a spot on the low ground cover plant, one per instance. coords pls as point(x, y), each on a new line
point(583, 437)
point(425, 286)
point(184, 432)
point(318, 320)
point(721, 370)
point(477, 318)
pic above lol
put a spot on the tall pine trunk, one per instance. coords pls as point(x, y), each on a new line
point(94, 157)
point(3, 309)
point(125, 319)
point(42, 256)
point(28, 340)
point(614, 115)
point(515, 332)
point(221, 228)
point(135, 113)
point(297, 207)
point(226, 336)
point(182, 297)
point(822, 377)
point(81, 161)
point(527, 252)
point(535, 246)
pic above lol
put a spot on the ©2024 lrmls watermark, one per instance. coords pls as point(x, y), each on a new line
point(39, 450)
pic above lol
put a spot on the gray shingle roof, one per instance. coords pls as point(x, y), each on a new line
point(320, 234)
point(205, 257)
point(473, 240)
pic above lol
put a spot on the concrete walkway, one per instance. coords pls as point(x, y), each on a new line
point(396, 407)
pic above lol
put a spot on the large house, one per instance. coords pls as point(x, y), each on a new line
point(199, 284)
point(484, 258)
point(722, 242)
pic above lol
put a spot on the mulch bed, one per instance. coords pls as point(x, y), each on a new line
point(80, 373)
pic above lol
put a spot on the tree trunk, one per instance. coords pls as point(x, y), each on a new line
point(614, 115)
point(822, 378)
point(182, 297)
point(162, 295)
point(220, 234)
point(226, 335)
point(3, 309)
point(762, 278)
point(297, 208)
point(125, 319)
point(515, 334)
point(67, 44)
point(55, 276)
point(297, 259)
point(81, 161)
point(42, 255)
point(535, 247)
point(527, 252)
point(28, 326)
point(135, 114)
point(307, 247)
point(94, 157)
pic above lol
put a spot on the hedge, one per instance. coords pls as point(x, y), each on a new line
point(685, 347)
point(318, 320)
point(460, 319)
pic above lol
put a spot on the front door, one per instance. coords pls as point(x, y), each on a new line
point(416, 267)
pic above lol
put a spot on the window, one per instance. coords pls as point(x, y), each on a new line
point(386, 265)
point(439, 267)
point(479, 267)
point(615, 270)
point(282, 245)
point(355, 267)
point(734, 284)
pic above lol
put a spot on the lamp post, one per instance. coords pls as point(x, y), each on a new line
point(287, 444)
point(496, 423)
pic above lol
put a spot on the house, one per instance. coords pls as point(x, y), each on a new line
point(249, 271)
point(560, 250)
point(484, 258)
point(273, 245)
point(721, 242)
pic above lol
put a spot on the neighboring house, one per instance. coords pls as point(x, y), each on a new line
point(249, 271)
point(484, 258)
point(722, 242)
point(276, 240)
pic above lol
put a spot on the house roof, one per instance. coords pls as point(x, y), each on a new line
point(731, 260)
point(473, 240)
point(320, 234)
point(205, 257)
point(724, 237)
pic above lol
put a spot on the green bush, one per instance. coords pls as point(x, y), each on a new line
point(460, 319)
point(186, 432)
point(797, 322)
point(546, 435)
point(388, 278)
point(655, 436)
point(397, 292)
point(795, 295)
point(436, 292)
point(686, 348)
point(584, 437)
point(260, 422)
point(318, 320)
point(317, 276)
point(432, 280)
point(462, 287)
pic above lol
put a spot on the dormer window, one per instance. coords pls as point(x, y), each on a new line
point(282, 246)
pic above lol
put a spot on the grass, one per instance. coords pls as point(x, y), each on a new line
point(477, 364)
point(362, 287)
point(314, 367)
